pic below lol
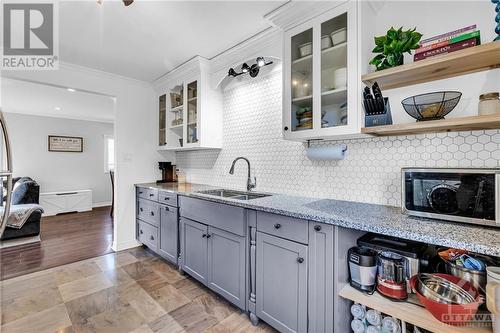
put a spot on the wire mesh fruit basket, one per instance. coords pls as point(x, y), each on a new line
point(431, 106)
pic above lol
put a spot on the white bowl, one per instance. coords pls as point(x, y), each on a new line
point(326, 42)
point(340, 78)
point(305, 49)
point(339, 36)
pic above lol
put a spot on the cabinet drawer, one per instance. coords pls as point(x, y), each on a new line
point(225, 217)
point(167, 198)
point(148, 235)
point(148, 211)
point(147, 193)
point(283, 226)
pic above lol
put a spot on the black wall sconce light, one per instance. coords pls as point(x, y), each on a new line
point(252, 70)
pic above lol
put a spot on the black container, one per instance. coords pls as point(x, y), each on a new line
point(377, 113)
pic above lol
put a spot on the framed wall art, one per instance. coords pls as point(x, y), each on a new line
point(71, 144)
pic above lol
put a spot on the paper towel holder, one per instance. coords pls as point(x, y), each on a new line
point(317, 140)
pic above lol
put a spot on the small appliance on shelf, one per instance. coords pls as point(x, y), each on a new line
point(168, 172)
point(362, 268)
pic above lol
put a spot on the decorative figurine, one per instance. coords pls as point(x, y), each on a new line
point(497, 19)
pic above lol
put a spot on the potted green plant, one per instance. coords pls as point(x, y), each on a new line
point(393, 45)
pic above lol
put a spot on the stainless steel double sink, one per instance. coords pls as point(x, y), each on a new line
point(231, 194)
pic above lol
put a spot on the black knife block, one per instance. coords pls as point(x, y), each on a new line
point(377, 116)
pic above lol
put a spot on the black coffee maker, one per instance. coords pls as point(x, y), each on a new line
point(168, 172)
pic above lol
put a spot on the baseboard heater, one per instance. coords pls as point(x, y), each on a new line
point(55, 203)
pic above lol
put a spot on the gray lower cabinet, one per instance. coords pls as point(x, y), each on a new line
point(194, 249)
point(168, 244)
point(226, 265)
point(321, 278)
point(281, 279)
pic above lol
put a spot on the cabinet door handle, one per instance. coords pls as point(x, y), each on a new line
point(167, 198)
point(300, 260)
point(208, 236)
point(167, 209)
point(286, 128)
point(204, 235)
point(277, 226)
point(152, 213)
point(140, 192)
point(151, 194)
point(141, 232)
point(152, 238)
point(141, 209)
point(317, 227)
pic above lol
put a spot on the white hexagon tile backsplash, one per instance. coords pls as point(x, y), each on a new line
point(370, 173)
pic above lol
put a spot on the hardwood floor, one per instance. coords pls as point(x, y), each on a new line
point(65, 239)
point(132, 291)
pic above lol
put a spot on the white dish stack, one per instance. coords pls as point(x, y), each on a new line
point(366, 320)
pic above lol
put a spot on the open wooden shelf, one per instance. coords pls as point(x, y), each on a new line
point(470, 60)
point(443, 125)
point(407, 312)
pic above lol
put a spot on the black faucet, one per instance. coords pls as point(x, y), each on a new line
point(250, 184)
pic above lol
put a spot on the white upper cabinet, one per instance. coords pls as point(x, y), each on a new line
point(190, 111)
point(320, 76)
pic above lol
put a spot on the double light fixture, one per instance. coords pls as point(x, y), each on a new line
point(252, 70)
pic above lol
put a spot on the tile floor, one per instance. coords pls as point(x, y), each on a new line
point(129, 291)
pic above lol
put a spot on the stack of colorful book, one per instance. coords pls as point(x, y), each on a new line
point(448, 42)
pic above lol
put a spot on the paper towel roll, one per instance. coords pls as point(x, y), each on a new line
point(328, 153)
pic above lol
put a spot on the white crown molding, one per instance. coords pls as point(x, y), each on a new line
point(188, 68)
point(69, 117)
point(294, 13)
point(103, 74)
point(255, 45)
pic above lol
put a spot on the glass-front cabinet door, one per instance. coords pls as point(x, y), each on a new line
point(175, 116)
point(301, 81)
point(320, 76)
point(192, 113)
point(162, 120)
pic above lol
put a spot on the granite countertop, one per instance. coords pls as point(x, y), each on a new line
point(380, 219)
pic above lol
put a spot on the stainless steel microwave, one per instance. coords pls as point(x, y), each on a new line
point(460, 195)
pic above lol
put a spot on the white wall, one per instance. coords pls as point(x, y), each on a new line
point(431, 18)
point(370, 173)
point(135, 134)
point(57, 171)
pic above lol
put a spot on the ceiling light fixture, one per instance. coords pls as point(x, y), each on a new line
point(70, 89)
point(252, 70)
point(57, 108)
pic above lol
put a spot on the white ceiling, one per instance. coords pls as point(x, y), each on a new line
point(149, 38)
point(45, 100)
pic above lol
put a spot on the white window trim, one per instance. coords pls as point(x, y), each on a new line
point(105, 142)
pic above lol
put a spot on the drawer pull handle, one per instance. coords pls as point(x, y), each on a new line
point(300, 260)
point(277, 226)
point(167, 209)
point(151, 194)
point(152, 238)
point(140, 192)
point(141, 209)
point(317, 227)
point(204, 235)
point(152, 214)
point(167, 198)
point(141, 232)
point(208, 236)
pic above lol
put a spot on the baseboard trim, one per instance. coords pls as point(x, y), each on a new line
point(19, 241)
point(101, 204)
point(125, 245)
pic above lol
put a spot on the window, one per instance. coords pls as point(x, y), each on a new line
point(109, 153)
